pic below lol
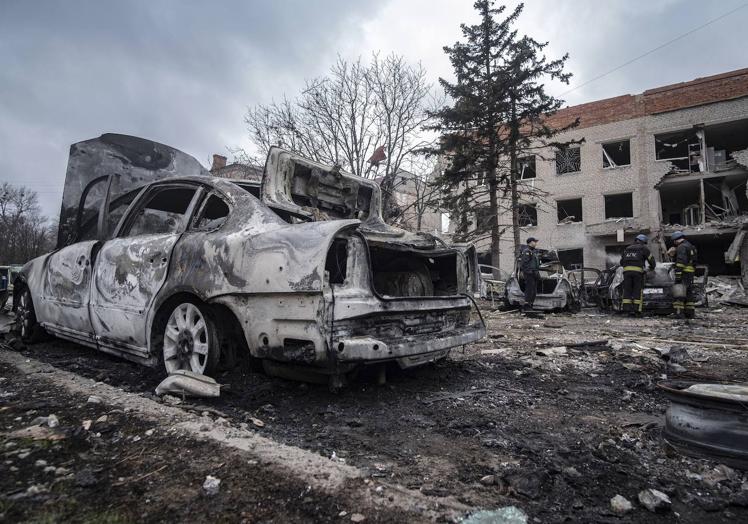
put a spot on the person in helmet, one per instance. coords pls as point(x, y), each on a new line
point(685, 258)
point(633, 260)
point(530, 266)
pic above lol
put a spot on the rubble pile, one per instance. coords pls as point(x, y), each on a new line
point(726, 290)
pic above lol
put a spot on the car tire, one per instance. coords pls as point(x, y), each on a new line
point(27, 326)
point(190, 339)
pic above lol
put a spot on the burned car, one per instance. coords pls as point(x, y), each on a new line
point(559, 288)
point(657, 294)
point(161, 263)
point(492, 282)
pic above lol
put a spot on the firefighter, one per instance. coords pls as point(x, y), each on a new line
point(530, 266)
point(633, 260)
point(685, 258)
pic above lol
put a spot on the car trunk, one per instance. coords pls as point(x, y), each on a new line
point(398, 270)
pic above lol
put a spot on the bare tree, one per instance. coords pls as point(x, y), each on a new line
point(24, 232)
point(345, 116)
point(416, 196)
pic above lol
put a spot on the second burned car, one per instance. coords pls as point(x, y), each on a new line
point(159, 262)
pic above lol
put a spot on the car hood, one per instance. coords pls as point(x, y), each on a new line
point(136, 161)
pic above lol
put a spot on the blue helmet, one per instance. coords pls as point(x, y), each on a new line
point(642, 238)
point(678, 234)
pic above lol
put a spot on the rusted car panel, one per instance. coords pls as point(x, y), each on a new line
point(308, 274)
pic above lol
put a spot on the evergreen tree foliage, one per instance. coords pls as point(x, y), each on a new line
point(497, 116)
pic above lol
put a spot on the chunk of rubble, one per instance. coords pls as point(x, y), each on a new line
point(37, 433)
point(505, 515)
point(211, 486)
point(620, 505)
point(654, 500)
point(186, 383)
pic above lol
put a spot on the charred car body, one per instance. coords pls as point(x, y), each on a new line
point(559, 288)
point(158, 261)
point(657, 294)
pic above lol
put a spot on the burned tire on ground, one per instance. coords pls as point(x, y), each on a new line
point(27, 326)
point(190, 339)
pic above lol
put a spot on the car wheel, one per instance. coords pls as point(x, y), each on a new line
point(26, 325)
point(190, 340)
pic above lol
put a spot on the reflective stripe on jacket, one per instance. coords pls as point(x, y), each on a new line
point(685, 257)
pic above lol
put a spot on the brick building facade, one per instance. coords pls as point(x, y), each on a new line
point(674, 157)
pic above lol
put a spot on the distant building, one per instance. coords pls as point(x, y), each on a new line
point(235, 170)
point(671, 158)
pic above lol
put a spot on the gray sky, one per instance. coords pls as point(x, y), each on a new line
point(183, 72)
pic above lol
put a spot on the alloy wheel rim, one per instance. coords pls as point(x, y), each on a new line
point(23, 312)
point(186, 340)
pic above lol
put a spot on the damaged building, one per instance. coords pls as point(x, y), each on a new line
point(671, 158)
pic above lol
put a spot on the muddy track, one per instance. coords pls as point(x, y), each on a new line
point(562, 434)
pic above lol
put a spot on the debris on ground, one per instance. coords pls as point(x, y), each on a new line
point(187, 383)
point(620, 505)
point(506, 515)
point(211, 486)
point(562, 434)
point(726, 290)
point(654, 500)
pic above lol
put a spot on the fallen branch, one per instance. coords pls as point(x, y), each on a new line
point(141, 477)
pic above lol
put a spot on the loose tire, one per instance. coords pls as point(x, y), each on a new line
point(190, 340)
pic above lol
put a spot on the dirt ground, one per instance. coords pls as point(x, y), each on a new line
point(554, 415)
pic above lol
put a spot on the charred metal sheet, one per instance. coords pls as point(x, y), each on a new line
point(135, 160)
point(708, 420)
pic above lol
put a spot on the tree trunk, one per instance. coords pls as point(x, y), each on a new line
point(513, 176)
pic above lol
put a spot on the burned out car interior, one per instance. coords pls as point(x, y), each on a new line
point(559, 289)
point(657, 293)
point(161, 263)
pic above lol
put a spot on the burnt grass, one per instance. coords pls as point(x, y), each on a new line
point(124, 470)
point(561, 435)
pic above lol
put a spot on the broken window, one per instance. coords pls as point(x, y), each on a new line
point(163, 212)
point(88, 213)
point(725, 197)
point(568, 160)
point(527, 215)
point(117, 209)
point(619, 206)
point(722, 140)
point(680, 202)
point(526, 167)
point(483, 219)
point(213, 214)
point(571, 258)
point(444, 223)
point(617, 153)
point(682, 148)
point(569, 210)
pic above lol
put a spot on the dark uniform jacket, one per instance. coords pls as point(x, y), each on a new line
point(685, 257)
point(528, 260)
point(635, 256)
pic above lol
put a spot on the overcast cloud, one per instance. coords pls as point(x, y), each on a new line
point(182, 72)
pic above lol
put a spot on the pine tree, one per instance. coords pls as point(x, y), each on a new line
point(498, 114)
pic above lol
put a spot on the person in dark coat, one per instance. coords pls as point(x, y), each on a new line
point(634, 259)
point(685, 270)
point(530, 266)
